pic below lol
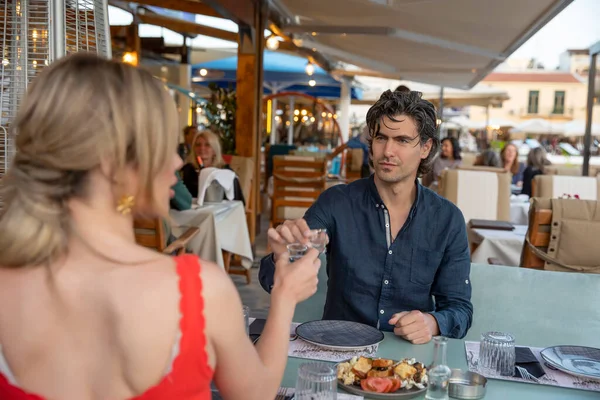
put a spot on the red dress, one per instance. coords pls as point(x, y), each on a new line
point(190, 374)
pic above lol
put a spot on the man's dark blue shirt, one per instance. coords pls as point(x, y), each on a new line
point(425, 268)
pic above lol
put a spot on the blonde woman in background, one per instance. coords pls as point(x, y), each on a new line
point(206, 153)
point(85, 312)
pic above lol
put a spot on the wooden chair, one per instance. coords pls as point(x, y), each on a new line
point(244, 168)
point(296, 183)
point(151, 233)
point(233, 266)
point(539, 236)
point(354, 162)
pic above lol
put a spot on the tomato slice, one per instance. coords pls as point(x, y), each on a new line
point(377, 385)
point(396, 383)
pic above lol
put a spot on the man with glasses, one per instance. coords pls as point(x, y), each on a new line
point(398, 254)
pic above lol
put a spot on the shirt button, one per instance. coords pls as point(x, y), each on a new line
point(377, 205)
point(386, 281)
point(467, 281)
point(387, 225)
point(381, 311)
point(390, 252)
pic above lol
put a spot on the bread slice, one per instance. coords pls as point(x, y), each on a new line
point(362, 367)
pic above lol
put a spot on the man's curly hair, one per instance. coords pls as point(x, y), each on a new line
point(410, 103)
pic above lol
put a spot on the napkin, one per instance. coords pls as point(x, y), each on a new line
point(525, 359)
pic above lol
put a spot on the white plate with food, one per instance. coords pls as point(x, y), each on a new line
point(382, 378)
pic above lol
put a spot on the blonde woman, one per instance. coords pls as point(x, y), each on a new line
point(206, 153)
point(85, 312)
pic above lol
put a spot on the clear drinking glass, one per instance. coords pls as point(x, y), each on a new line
point(296, 251)
point(439, 373)
point(318, 239)
point(316, 381)
point(246, 311)
point(497, 354)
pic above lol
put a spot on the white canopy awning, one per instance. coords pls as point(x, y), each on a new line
point(448, 43)
point(538, 126)
point(577, 128)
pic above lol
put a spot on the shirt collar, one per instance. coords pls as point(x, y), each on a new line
point(377, 198)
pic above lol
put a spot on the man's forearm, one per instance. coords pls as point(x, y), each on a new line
point(454, 321)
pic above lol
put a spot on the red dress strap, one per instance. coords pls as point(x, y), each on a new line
point(191, 374)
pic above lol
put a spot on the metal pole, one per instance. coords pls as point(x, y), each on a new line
point(587, 138)
point(58, 33)
point(274, 120)
point(290, 138)
point(345, 100)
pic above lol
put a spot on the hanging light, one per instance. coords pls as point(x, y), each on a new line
point(323, 114)
point(272, 42)
point(5, 62)
point(310, 69)
point(312, 82)
point(304, 112)
point(203, 72)
point(296, 112)
point(130, 57)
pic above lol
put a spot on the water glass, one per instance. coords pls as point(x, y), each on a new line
point(318, 239)
point(497, 354)
point(316, 381)
point(296, 251)
point(246, 311)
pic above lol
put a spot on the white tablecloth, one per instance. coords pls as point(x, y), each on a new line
point(519, 213)
point(506, 246)
point(222, 226)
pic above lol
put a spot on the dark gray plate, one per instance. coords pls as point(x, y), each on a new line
point(575, 360)
point(339, 335)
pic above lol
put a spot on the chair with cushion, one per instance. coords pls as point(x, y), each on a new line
point(478, 193)
point(556, 186)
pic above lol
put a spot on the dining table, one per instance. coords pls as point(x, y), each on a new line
point(505, 246)
point(222, 226)
point(540, 308)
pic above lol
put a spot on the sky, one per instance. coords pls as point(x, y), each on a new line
point(576, 27)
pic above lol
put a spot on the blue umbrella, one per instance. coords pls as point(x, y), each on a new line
point(282, 72)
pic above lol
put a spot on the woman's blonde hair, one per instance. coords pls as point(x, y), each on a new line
point(80, 111)
point(214, 142)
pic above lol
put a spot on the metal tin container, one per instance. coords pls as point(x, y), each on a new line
point(466, 385)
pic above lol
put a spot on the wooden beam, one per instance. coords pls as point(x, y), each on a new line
point(239, 11)
point(249, 94)
point(181, 26)
point(192, 7)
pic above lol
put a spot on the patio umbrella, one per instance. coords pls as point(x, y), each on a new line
point(282, 72)
point(577, 128)
point(536, 126)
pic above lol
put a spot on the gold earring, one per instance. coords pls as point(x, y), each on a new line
point(125, 205)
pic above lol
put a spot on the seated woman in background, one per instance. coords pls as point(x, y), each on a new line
point(488, 158)
point(206, 153)
point(449, 158)
point(536, 164)
point(510, 162)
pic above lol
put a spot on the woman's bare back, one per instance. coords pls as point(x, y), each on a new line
point(91, 329)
